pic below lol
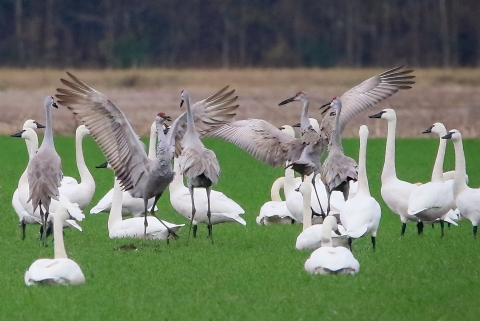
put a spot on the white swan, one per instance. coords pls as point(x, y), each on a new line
point(361, 214)
point(275, 211)
point(19, 201)
point(80, 193)
point(222, 208)
point(61, 269)
point(328, 259)
point(395, 192)
point(433, 200)
point(134, 227)
point(130, 206)
point(467, 199)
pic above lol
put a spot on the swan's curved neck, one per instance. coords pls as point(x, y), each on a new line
point(152, 142)
point(116, 209)
point(178, 178)
point(363, 188)
point(460, 168)
point(306, 190)
point(326, 235)
point(389, 165)
point(275, 190)
point(437, 173)
point(289, 182)
point(59, 245)
point(32, 147)
point(85, 174)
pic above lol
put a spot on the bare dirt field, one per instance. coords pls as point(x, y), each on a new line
point(451, 96)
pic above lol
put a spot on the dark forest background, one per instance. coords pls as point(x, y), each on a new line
point(241, 33)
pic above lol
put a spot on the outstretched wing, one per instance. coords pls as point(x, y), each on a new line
point(208, 114)
point(110, 129)
point(372, 91)
point(262, 140)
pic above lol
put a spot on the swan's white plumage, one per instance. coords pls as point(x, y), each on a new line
point(311, 238)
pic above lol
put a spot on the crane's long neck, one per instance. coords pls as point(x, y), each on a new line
point(152, 142)
point(437, 173)
point(48, 138)
point(363, 188)
point(304, 121)
point(336, 141)
point(389, 165)
point(59, 245)
point(275, 190)
point(460, 168)
point(116, 209)
point(85, 175)
point(191, 129)
point(326, 240)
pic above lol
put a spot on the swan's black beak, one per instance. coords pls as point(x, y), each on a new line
point(448, 136)
point(167, 117)
point(428, 130)
point(54, 104)
point(289, 100)
point(19, 134)
point(39, 125)
point(337, 232)
point(379, 115)
point(296, 125)
point(104, 165)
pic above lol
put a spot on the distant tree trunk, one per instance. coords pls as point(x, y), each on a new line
point(109, 40)
point(454, 32)
point(415, 25)
point(349, 33)
point(242, 35)
point(50, 39)
point(19, 31)
point(444, 33)
point(386, 33)
point(225, 40)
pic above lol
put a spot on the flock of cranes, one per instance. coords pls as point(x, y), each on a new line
point(339, 205)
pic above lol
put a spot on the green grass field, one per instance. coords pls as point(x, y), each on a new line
point(251, 273)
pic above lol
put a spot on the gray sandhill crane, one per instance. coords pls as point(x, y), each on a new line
point(139, 175)
point(45, 170)
point(310, 159)
point(197, 163)
point(267, 143)
point(338, 169)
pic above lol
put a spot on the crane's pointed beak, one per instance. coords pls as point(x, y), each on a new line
point(289, 100)
point(428, 130)
point(326, 109)
point(181, 104)
point(104, 165)
point(448, 136)
point(379, 115)
point(19, 134)
point(296, 125)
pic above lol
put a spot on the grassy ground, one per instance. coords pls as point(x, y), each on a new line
point(250, 273)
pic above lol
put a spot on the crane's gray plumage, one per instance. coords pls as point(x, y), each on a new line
point(45, 169)
point(199, 164)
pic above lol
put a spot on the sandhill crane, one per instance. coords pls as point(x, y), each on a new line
point(199, 164)
point(32, 144)
point(467, 199)
point(60, 269)
point(139, 175)
point(45, 170)
point(268, 144)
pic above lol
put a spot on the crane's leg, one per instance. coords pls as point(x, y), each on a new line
point(475, 231)
point(145, 223)
point(374, 242)
point(43, 230)
point(49, 229)
point(318, 198)
point(433, 226)
point(170, 232)
point(23, 225)
point(190, 189)
point(346, 191)
point(195, 227)
point(209, 214)
point(442, 225)
point(328, 203)
point(350, 240)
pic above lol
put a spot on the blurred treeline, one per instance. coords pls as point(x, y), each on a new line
point(241, 33)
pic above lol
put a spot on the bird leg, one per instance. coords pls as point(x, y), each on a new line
point(350, 240)
point(374, 242)
point(328, 199)
point(209, 214)
point(23, 225)
point(195, 227)
point(170, 232)
point(475, 231)
point(49, 229)
point(442, 225)
point(318, 198)
point(420, 227)
point(190, 189)
point(404, 226)
point(44, 221)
